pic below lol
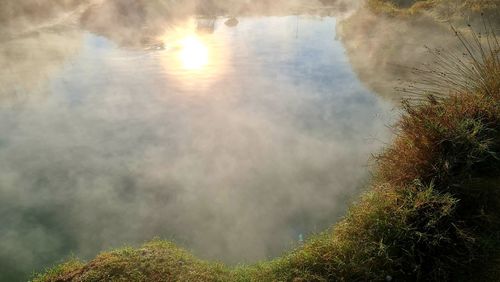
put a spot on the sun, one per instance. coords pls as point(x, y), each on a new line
point(193, 53)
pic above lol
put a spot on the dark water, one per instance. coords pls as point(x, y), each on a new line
point(232, 140)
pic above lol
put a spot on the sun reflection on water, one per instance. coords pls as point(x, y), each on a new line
point(194, 54)
point(195, 60)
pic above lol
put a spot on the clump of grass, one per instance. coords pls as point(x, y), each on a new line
point(154, 261)
point(387, 235)
point(431, 214)
point(475, 70)
point(54, 273)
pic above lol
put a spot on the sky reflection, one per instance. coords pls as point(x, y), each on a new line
point(232, 143)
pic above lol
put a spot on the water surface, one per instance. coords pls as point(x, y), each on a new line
point(231, 140)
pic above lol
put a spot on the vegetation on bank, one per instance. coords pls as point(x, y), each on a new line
point(432, 213)
point(444, 9)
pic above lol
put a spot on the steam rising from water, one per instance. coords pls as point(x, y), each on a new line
point(384, 51)
point(103, 146)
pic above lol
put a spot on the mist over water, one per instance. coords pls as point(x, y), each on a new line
point(231, 140)
point(384, 51)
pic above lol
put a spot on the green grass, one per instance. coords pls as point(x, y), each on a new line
point(431, 213)
point(154, 261)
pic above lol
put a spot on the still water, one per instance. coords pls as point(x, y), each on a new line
point(233, 139)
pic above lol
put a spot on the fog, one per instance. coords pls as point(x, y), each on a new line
point(109, 139)
point(134, 23)
point(385, 51)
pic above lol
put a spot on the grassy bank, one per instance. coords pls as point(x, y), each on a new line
point(442, 9)
point(431, 213)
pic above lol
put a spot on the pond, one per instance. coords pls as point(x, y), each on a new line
point(233, 137)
